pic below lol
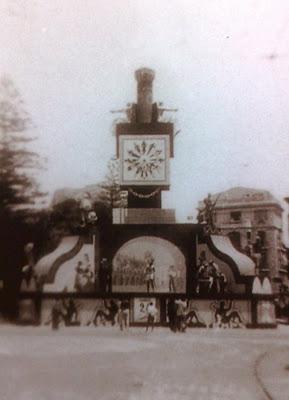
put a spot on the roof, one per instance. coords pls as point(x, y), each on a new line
point(244, 197)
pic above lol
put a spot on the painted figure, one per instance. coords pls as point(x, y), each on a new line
point(225, 317)
point(70, 314)
point(83, 281)
point(172, 277)
point(150, 276)
point(105, 313)
point(142, 312)
point(192, 318)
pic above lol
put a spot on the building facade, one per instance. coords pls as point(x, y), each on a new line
point(253, 221)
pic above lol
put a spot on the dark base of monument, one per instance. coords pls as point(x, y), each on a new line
point(227, 311)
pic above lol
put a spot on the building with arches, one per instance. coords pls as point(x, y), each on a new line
point(143, 256)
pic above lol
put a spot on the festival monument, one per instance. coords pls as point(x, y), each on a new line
point(144, 256)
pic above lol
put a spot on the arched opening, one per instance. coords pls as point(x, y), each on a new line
point(149, 264)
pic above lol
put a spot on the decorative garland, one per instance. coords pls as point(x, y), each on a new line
point(144, 196)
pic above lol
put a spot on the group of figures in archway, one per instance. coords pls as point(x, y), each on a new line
point(209, 278)
point(149, 264)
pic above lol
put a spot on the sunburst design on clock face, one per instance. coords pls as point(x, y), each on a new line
point(144, 160)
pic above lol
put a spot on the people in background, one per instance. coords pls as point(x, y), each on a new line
point(181, 315)
point(151, 315)
point(124, 315)
point(105, 276)
point(56, 314)
point(172, 314)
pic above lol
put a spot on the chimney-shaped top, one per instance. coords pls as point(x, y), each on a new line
point(144, 77)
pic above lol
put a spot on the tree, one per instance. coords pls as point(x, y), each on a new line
point(111, 194)
point(18, 186)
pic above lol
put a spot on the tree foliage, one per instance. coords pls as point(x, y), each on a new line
point(18, 164)
point(111, 194)
point(18, 189)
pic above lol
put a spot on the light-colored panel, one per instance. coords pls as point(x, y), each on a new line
point(144, 160)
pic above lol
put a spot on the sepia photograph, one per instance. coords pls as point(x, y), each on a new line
point(144, 200)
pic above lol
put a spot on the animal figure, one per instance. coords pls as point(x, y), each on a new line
point(225, 317)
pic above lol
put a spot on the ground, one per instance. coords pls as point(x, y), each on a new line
point(106, 364)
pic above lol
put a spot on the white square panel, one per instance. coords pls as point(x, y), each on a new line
point(144, 160)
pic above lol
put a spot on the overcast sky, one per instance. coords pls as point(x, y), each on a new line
point(223, 63)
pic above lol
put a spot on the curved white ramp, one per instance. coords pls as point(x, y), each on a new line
point(46, 267)
point(245, 265)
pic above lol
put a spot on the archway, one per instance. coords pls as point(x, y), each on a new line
point(132, 259)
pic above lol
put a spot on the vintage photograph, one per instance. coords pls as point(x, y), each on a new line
point(144, 234)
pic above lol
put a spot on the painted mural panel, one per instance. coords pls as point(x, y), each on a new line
point(149, 264)
point(76, 274)
point(218, 313)
point(140, 305)
point(214, 276)
point(84, 312)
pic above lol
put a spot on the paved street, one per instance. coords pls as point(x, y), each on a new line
point(106, 364)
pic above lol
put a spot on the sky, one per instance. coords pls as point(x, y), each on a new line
point(223, 63)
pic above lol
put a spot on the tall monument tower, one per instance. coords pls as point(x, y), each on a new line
point(144, 148)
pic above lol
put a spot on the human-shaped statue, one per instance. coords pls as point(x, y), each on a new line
point(88, 215)
point(28, 276)
point(206, 215)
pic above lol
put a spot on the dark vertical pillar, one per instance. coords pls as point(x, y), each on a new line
point(191, 261)
point(163, 311)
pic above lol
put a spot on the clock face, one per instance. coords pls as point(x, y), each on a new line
point(144, 159)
